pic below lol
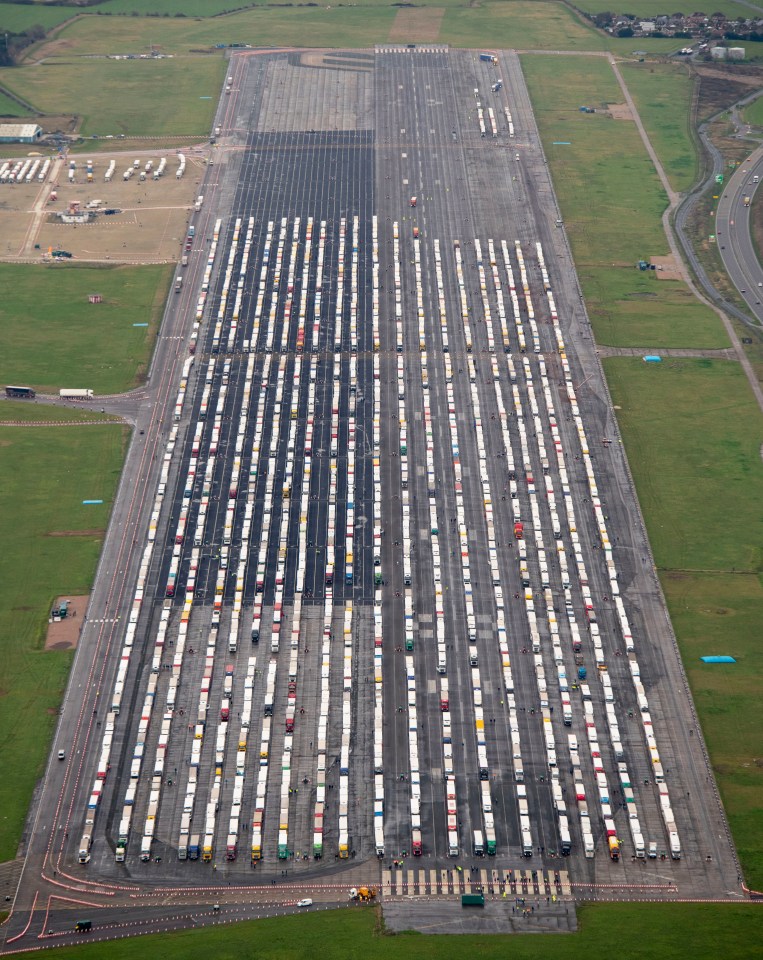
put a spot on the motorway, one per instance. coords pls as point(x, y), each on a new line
point(367, 534)
point(732, 229)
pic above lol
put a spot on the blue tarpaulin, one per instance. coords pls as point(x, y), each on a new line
point(718, 660)
point(652, 359)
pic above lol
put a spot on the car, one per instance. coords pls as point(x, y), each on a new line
point(307, 902)
point(62, 754)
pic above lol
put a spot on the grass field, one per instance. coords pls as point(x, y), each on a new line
point(47, 472)
point(655, 8)
point(754, 113)
point(663, 93)
point(721, 613)
point(652, 930)
point(17, 17)
point(604, 180)
point(173, 8)
point(694, 443)
point(494, 23)
point(54, 338)
point(144, 97)
point(528, 25)
point(25, 411)
point(9, 108)
point(693, 435)
point(121, 96)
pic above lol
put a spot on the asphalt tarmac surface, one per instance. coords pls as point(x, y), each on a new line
point(308, 250)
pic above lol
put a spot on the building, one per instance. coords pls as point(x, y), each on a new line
point(736, 53)
point(718, 53)
point(20, 132)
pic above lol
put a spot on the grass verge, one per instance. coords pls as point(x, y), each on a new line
point(26, 411)
point(754, 113)
point(47, 473)
point(605, 179)
point(54, 338)
point(654, 930)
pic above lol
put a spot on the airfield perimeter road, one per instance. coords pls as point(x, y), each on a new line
point(313, 146)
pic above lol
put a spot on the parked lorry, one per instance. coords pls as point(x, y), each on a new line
point(488, 58)
point(67, 394)
point(478, 845)
point(473, 900)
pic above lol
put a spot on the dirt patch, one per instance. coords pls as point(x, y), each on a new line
point(719, 88)
point(95, 532)
point(149, 224)
point(751, 79)
point(422, 26)
point(620, 111)
point(64, 634)
point(666, 268)
point(66, 124)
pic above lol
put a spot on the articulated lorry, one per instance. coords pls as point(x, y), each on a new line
point(75, 394)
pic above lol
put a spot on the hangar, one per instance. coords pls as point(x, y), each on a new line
point(20, 132)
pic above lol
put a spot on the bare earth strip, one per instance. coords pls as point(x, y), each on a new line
point(620, 111)
point(422, 26)
point(667, 268)
point(64, 634)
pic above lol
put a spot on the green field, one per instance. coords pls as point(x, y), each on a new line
point(126, 98)
point(17, 17)
point(174, 8)
point(495, 23)
point(694, 445)
point(146, 97)
point(49, 546)
point(663, 94)
point(656, 8)
point(721, 613)
point(525, 25)
point(121, 96)
point(9, 108)
point(54, 338)
point(652, 930)
point(35, 411)
point(693, 434)
point(754, 113)
point(605, 180)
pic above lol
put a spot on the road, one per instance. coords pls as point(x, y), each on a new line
point(732, 230)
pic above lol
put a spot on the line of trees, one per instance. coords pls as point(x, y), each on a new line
point(12, 44)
